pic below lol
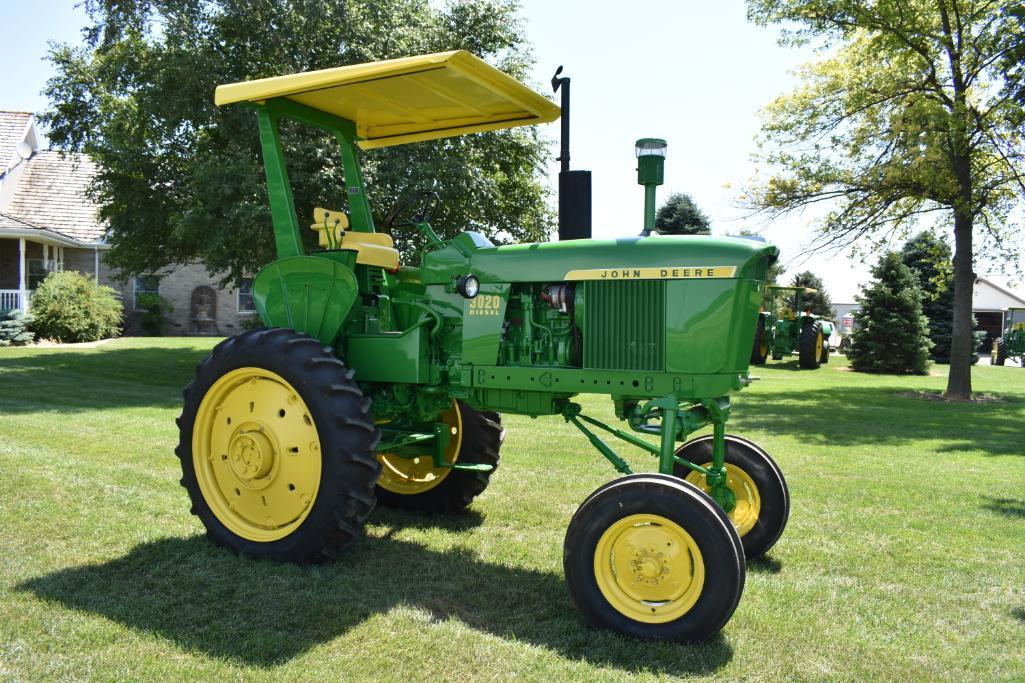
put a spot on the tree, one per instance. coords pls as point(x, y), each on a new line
point(818, 301)
point(928, 257)
point(900, 120)
point(1013, 62)
point(679, 215)
point(891, 334)
point(181, 179)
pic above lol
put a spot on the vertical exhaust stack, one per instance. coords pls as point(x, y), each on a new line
point(574, 186)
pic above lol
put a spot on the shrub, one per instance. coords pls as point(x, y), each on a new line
point(69, 307)
point(14, 328)
point(153, 308)
point(891, 334)
point(252, 322)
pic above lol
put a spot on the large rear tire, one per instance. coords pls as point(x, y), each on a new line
point(763, 498)
point(276, 445)
point(810, 345)
point(999, 354)
point(651, 556)
point(420, 486)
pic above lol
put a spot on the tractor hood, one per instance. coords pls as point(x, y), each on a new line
point(625, 258)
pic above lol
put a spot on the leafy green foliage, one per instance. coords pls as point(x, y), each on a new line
point(890, 333)
point(182, 179)
point(70, 307)
point(154, 311)
point(903, 117)
point(817, 302)
point(1013, 62)
point(680, 215)
point(14, 328)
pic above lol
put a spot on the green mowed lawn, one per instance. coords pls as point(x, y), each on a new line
point(904, 557)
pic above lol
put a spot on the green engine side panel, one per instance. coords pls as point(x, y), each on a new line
point(710, 324)
point(482, 324)
point(390, 357)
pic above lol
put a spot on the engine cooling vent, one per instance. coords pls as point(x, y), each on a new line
point(624, 325)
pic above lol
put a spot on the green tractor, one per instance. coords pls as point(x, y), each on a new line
point(1012, 343)
point(382, 382)
point(784, 325)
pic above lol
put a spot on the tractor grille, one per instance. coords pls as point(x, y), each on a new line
point(624, 326)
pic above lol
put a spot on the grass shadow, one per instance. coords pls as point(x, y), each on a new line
point(1018, 613)
point(765, 565)
point(882, 416)
point(1008, 507)
point(203, 598)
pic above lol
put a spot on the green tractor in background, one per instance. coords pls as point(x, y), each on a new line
point(378, 381)
point(785, 326)
point(1012, 343)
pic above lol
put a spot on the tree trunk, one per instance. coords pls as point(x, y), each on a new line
point(959, 382)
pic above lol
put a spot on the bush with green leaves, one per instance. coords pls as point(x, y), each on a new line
point(14, 326)
point(153, 320)
point(891, 334)
point(70, 307)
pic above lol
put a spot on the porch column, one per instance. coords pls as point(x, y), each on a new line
point(96, 264)
point(46, 254)
point(22, 303)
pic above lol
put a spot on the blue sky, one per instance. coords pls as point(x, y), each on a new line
point(691, 71)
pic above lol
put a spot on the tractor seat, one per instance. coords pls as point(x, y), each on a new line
point(372, 248)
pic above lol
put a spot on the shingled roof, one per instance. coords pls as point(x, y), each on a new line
point(52, 194)
point(12, 131)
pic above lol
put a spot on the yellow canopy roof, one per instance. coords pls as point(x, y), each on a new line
point(407, 100)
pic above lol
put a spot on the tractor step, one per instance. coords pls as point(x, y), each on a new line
point(471, 467)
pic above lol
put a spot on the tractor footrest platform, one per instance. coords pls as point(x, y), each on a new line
point(472, 467)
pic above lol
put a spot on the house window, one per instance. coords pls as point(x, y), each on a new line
point(144, 284)
point(245, 296)
point(36, 271)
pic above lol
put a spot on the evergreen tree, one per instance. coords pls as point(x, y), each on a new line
point(679, 215)
point(818, 301)
point(891, 334)
point(929, 257)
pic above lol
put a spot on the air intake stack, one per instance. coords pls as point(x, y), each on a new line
point(574, 186)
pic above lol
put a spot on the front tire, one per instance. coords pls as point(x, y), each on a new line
point(810, 345)
point(276, 445)
point(763, 499)
point(652, 557)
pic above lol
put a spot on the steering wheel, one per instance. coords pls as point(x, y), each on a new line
point(426, 203)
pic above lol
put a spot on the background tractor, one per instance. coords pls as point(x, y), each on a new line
point(378, 381)
point(1012, 343)
point(785, 326)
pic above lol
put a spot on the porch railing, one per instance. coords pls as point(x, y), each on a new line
point(10, 298)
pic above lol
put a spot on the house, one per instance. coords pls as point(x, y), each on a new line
point(989, 304)
point(47, 223)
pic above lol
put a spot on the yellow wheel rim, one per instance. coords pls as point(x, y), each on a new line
point(649, 568)
point(818, 346)
point(409, 476)
point(749, 503)
point(256, 454)
point(763, 349)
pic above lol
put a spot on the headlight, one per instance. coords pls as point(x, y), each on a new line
point(468, 286)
